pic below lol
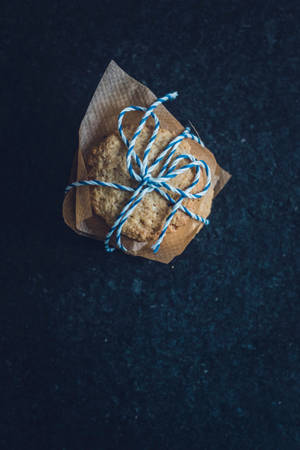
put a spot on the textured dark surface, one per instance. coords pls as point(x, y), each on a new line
point(112, 352)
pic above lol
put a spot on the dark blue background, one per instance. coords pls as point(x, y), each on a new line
point(114, 352)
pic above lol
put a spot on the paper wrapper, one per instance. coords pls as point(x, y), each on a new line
point(116, 91)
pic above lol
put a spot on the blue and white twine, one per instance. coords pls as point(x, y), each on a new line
point(148, 183)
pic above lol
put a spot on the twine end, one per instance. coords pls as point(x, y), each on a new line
point(155, 247)
point(173, 95)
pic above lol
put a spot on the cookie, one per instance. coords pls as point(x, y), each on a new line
point(107, 162)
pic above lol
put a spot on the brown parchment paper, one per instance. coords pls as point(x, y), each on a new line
point(115, 91)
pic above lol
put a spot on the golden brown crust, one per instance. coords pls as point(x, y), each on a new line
point(107, 162)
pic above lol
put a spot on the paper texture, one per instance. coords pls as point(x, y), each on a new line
point(116, 91)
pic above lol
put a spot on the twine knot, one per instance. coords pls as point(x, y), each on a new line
point(146, 182)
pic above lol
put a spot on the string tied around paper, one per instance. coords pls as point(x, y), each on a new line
point(146, 182)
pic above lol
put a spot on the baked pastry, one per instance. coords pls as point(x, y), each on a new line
point(107, 162)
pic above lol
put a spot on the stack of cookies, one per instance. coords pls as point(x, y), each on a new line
point(107, 162)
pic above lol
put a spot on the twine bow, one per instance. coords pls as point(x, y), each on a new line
point(146, 181)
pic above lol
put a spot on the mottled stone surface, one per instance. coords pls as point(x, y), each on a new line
point(112, 352)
